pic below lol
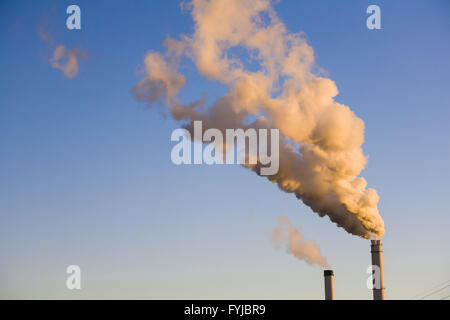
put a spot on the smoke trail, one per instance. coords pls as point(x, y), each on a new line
point(63, 59)
point(303, 249)
point(70, 66)
point(320, 148)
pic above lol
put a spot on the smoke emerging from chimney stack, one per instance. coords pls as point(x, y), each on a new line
point(271, 85)
point(289, 236)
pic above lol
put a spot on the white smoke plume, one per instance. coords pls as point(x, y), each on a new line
point(320, 148)
point(290, 236)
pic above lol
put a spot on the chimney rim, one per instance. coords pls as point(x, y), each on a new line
point(328, 273)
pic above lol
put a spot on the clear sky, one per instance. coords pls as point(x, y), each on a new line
point(86, 176)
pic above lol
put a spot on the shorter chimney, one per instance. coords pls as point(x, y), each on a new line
point(329, 284)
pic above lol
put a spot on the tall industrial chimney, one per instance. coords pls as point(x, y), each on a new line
point(329, 284)
point(377, 270)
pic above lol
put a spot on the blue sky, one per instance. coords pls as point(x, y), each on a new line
point(86, 176)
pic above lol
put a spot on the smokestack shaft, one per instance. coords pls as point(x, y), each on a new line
point(377, 270)
point(329, 284)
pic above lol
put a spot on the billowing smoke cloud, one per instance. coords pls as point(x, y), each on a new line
point(271, 83)
point(290, 236)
